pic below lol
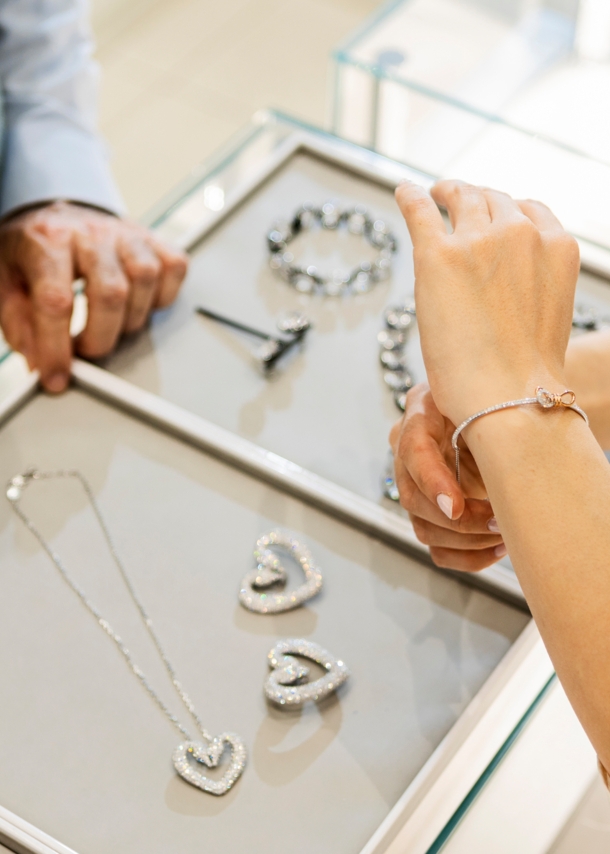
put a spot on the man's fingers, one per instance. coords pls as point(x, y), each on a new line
point(473, 561)
point(174, 269)
point(49, 274)
point(465, 204)
point(16, 323)
point(542, 217)
point(422, 216)
point(107, 292)
point(143, 268)
point(502, 207)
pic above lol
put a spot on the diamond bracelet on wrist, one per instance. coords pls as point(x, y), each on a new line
point(544, 398)
point(330, 217)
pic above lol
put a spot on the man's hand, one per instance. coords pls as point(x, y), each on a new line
point(461, 532)
point(128, 274)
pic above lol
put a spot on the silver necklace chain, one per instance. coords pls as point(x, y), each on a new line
point(14, 493)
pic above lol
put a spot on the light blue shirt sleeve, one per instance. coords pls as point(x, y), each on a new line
point(49, 80)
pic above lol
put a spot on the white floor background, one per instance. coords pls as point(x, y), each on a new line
point(181, 76)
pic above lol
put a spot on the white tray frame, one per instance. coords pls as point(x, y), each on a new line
point(443, 783)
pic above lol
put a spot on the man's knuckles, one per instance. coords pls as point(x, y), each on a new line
point(144, 271)
point(53, 301)
point(91, 348)
point(111, 295)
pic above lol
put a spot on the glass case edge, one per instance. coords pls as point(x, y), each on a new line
point(450, 827)
point(372, 21)
point(423, 811)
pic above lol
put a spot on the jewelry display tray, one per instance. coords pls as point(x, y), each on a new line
point(442, 673)
point(326, 412)
point(326, 406)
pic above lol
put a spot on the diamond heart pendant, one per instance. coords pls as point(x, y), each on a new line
point(286, 683)
point(209, 755)
point(255, 594)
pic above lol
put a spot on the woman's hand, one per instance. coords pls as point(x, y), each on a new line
point(494, 305)
point(462, 532)
point(494, 298)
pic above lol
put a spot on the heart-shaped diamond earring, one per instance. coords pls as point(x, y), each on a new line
point(285, 684)
point(209, 755)
point(254, 593)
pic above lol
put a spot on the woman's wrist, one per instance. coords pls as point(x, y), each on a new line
point(513, 441)
point(495, 388)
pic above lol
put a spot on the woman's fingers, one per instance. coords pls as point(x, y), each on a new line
point(464, 561)
point(466, 205)
point(422, 216)
point(416, 443)
point(476, 516)
point(420, 456)
point(427, 485)
point(437, 536)
point(442, 517)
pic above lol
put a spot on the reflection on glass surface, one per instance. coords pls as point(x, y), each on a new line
point(441, 842)
point(496, 92)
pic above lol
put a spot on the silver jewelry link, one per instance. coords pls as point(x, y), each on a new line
point(330, 217)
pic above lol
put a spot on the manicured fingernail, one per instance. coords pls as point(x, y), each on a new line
point(492, 525)
point(500, 550)
point(445, 502)
point(404, 181)
point(56, 383)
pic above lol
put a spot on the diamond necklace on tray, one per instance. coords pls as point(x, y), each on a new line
point(189, 753)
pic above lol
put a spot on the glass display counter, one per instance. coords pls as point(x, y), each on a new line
point(445, 678)
point(505, 94)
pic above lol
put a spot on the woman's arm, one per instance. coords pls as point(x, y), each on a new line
point(588, 373)
point(494, 307)
point(549, 484)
